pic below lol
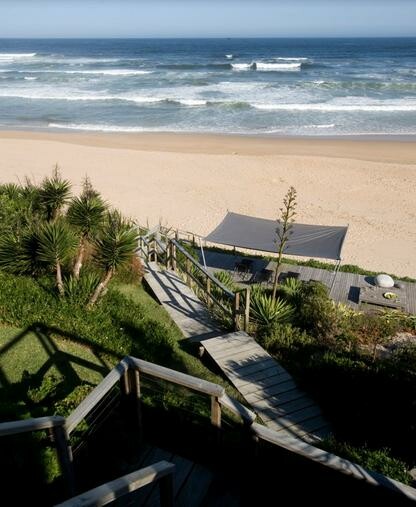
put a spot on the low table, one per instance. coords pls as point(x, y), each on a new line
point(374, 296)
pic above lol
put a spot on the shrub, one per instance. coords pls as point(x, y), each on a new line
point(280, 337)
point(378, 460)
point(316, 313)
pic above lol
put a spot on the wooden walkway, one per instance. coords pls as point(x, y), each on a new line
point(346, 288)
point(266, 386)
point(185, 309)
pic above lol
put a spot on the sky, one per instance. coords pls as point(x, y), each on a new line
point(207, 18)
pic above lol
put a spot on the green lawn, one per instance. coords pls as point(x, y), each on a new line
point(33, 351)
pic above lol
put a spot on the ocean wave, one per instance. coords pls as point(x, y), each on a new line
point(264, 66)
point(278, 66)
point(30, 78)
point(229, 57)
point(92, 127)
point(15, 56)
point(137, 99)
point(105, 72)
point(242, 66)
point(292, 59)
point(327, 107)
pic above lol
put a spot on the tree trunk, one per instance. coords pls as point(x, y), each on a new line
point(79, 259)
point(100, 287)
point(59, 282)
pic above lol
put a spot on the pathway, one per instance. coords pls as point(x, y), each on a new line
point(266, 386)
point(185, 309)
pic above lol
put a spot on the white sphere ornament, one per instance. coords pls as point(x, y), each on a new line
point(385, 281)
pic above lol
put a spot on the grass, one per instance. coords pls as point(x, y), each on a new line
point(23, 352)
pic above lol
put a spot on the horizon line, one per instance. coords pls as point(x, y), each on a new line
point(211, 37)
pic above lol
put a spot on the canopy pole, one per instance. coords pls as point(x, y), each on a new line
point(202, 253)
point(335, 275)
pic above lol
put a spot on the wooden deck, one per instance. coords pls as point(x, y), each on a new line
point(346, 288)
point(185, 309)
point(266, 386)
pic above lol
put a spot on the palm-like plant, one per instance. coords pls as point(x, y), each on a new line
point(53, 195)
point(115, 246)
point(87, 214)
point(19, 252)
point(56, 244)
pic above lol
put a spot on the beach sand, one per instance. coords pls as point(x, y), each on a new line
point(190, 181)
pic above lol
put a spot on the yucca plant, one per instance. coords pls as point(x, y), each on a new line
point(54, 193)
point(115, 246)
point(56, 245)
point(266, 310)
point(86, 213)
point(19, 252)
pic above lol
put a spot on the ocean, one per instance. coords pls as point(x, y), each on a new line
point(305, 87)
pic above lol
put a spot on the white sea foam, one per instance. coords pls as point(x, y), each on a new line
point(278, 67)
point(334, 107)
point(92, 127)
point(15, 56)
point(242, 66)
point(229, 57)
point(191, 102)
point(30, 78)
point(104, 72)
point(291, 59)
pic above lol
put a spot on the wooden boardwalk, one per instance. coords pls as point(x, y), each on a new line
point(185, 309)
point(346, 288)
point(266, 386)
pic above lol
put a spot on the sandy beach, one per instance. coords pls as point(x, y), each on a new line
point(190, 181)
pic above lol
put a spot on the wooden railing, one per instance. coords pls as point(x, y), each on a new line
point(128, 372)
point(161, 472)
point(56, 426)
point(233, 304)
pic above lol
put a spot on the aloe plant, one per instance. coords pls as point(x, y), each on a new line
point(266, 310)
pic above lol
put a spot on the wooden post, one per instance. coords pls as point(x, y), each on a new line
point(187, 270)
point(154, 250)
point(64, 453)
point(173, 256)
point(208, 288)
point(236, 311)
point(134, 376)
point(125, 383)
point(215, 412)
point(247, 310)
point(166, 491)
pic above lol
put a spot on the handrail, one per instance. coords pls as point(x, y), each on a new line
point(176, 377)
point(297, 446)
point(28, 425)
point(95, 396)
point(130, 368)
point(225, 289)
point(111, 491)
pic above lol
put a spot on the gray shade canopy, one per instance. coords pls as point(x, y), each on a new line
point(243, 231)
